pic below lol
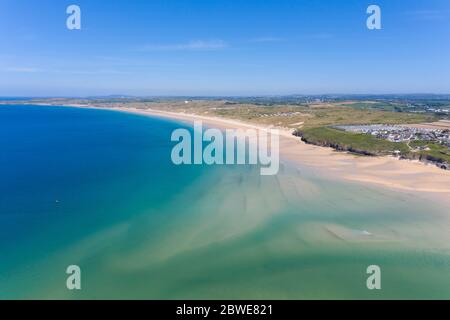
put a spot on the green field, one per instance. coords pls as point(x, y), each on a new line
point(353, 142)
point(306, 116)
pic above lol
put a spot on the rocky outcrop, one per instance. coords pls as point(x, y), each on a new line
point(426, 158)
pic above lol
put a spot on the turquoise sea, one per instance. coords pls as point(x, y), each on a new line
point(97, 189)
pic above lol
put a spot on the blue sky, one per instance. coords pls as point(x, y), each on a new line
point(223, 47)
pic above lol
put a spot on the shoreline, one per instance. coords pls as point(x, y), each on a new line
point(390, 172)
point(405, 175)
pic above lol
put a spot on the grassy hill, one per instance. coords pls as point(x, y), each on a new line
point(352, 142)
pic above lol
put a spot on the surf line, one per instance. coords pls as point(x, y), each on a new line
point(210, 147)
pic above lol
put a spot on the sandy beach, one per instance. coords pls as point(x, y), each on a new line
point(406, 175)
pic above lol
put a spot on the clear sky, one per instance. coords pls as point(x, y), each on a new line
point(223, 47)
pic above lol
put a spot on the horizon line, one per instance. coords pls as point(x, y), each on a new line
point(124, 96)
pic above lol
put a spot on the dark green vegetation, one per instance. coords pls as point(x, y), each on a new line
point(424, 150)
point(387, 106)
point(366, 144)
point(352, 142)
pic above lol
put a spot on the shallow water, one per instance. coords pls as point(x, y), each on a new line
point(97, 189)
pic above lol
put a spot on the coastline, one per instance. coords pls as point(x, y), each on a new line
point(180, 219)
point(386, 171)
point(406, 175)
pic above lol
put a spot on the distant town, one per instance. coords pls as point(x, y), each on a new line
point(404, 133)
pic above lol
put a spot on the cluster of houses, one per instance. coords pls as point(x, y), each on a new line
point(281, 114)
point(397, 133)
point(427, 109)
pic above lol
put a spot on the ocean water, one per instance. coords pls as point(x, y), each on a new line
point(96, 188)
